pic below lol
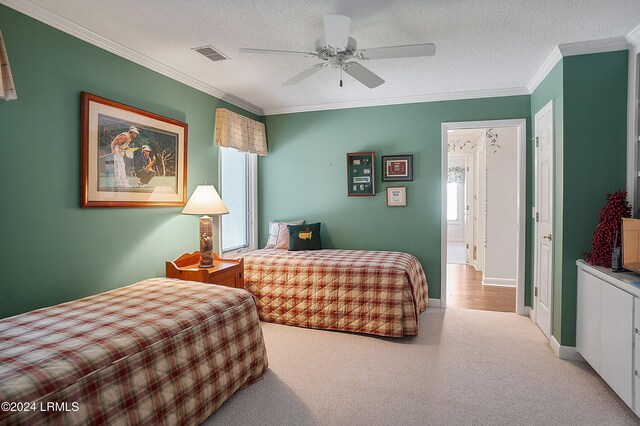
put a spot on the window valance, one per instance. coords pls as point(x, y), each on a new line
point(7, 89)
point(239, 132)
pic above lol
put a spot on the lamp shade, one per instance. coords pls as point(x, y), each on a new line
point(205, 200)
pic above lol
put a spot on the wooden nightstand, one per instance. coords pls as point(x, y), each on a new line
point(227, 272)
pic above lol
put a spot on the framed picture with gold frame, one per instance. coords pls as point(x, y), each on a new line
point(130, 157)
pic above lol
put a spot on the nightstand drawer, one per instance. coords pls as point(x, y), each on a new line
point(228, 281)
point(226, 272)
point(232, 277)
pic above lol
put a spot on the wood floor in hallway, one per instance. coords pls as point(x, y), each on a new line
point(465, 290)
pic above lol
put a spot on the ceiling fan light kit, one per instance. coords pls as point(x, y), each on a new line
point(339, 50)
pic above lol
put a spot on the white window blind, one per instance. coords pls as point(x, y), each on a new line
point(7, 89)
point(235, 192)
point(239, 132)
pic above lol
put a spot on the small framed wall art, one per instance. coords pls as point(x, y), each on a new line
point(361, 174)
point(397, 196)
point(397, 168)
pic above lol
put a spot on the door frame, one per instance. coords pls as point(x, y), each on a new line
point(521, 125)
point(467, 195)
point(469, 227)
point(534, 299)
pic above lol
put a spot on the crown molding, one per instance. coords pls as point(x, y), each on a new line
point(594, 46)
point(633, 37)
point(46, 16)
point(581, 48)
point(450, 96)
point(234, 100)
point(552, 60)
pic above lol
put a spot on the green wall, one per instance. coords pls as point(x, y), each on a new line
point(595, 152)
point(53, 250)
point(304, 175)
point(590, 118)
point(552, 89)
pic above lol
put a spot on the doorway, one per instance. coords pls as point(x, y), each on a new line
point(483, 217)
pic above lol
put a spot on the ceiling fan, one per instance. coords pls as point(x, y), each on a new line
point(338, 50)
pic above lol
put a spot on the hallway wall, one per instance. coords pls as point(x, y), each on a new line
point(502, 208)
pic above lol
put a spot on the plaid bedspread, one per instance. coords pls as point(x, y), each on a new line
point(161, 351)
point(374, 292)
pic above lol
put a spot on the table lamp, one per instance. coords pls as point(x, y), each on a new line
point(205, 201)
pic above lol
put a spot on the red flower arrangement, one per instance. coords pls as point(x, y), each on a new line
point(604, 236)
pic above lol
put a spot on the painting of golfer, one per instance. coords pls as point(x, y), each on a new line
point(135, 158)
point(131, 158)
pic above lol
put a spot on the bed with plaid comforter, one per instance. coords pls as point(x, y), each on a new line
point(374, 292)
point(161, 351)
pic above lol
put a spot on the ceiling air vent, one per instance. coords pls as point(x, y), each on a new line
point(211, 53)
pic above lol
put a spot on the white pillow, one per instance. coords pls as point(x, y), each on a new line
point(273, 231)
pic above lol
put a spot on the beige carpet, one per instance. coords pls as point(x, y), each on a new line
point(465, 367)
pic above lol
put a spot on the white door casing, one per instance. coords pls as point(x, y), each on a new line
point(521, 126)
point(543, 248)
point(481, 242)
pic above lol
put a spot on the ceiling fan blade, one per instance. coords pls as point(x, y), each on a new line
point(336, 31)
point(304, 74)
point(363, 75)
point(277, 52)
point(406, 51)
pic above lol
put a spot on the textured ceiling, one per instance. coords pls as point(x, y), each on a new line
point(481, 44)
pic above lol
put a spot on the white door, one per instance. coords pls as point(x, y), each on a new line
point(468, 208)
point(476, 212)
point(543, 268)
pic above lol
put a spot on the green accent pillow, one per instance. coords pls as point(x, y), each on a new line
point(304, 237)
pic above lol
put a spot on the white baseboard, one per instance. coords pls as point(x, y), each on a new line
point(529, 312)
point(499, 282)
point(565, 352)
point(568, 353)
point(434, 303)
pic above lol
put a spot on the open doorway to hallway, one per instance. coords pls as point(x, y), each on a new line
point(482, 218)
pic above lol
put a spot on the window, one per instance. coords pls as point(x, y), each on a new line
point(452, 201)
point(238, 178)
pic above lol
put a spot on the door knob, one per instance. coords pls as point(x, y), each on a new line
point(547, 237)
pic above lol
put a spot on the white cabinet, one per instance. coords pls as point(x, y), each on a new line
point(616, 362)
point(588, 317)
point(636, 356)
point(606, 328)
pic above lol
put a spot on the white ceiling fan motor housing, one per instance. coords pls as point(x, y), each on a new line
point(326, 52)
